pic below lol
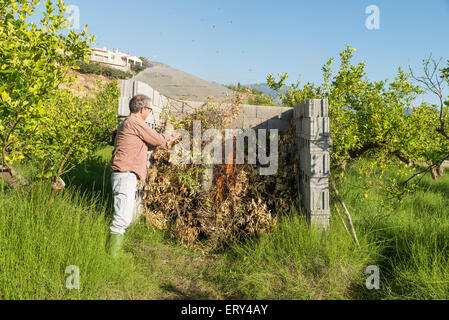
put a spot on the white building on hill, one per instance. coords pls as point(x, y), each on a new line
point(114, 59)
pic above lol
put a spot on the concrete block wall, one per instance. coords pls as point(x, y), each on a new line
point(258, 117)
point(312, 142)
point(131, 88)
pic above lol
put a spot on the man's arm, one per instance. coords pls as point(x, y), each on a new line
point(152, 137)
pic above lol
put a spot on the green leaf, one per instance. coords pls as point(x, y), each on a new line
point(5, 96)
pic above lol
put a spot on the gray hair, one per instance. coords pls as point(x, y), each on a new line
point(138, 102)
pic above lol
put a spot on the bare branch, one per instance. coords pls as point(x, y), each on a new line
point(433, 82)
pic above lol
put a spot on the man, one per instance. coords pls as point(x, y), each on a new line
point(129, 164)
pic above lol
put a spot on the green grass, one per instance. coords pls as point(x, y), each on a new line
point(296, 262)
point(412, 238)
point(409, 243)
point(41, 234)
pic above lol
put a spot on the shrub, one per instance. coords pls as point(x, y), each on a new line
point(253, 96)
point(75, 128)
point(136, 68)
point(96, 68)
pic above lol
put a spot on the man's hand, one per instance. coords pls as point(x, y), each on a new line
point(174, 140)
point(170, 131)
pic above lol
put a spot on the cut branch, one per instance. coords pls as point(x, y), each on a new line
point(348, 215)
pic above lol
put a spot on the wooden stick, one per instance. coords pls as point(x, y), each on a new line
point(342, 221)
point(348, 215)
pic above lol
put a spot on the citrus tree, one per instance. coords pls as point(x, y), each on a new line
point(34, 58)
point(74, 129)
point(367, 117)
point(374, 120)
point(433, 80)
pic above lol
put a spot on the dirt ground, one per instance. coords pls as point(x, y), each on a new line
point(86, 84)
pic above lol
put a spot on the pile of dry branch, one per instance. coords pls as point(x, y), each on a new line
point(241, 202)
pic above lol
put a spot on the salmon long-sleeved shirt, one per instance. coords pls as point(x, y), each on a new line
point(132, 144)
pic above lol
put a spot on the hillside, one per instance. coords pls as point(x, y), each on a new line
point(167, 80)
point(85, 84)
point(180, 85)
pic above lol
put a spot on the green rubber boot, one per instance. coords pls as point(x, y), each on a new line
point(115, 245)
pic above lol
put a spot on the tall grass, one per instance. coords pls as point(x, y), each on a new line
point(409, 243)
point(41, 235)
point(412, 237)
point(296, 261)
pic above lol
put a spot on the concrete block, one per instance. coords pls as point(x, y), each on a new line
point(266, 113)
point(318, 182)
point(142, 88)
point(313, 128)
point(296, 112)
point(164, 102)
point(316, 164)
point(156, 99)
point(255, 123)
point(312, 146)
point(280, 124)
point(123, 107)
point(315, 199)
point(287, 113)
point(127, 88)
point(313, 108)
point(314, 182)
point(248, 111)
point(298, 125)
point(160, 101)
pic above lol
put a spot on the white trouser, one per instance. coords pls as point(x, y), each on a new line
point(124, 187)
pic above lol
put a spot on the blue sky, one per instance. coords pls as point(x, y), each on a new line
point(219, 40)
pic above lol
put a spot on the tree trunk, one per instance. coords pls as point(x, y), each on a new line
point(434, 173)
point(12, 178)
point(58, 185)
point(343, 166)
point(437, 172)
point(440, 170)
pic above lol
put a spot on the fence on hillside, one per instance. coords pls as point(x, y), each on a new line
point(312, 139)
